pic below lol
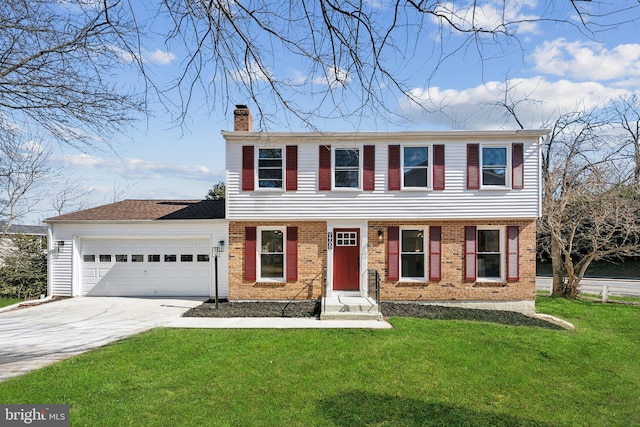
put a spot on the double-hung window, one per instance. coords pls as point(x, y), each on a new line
point(415, 167)
point(270, 168)
point(412, 254)
point(489, 254)
point(346, 168)
point(271, 257)
point(494, 166)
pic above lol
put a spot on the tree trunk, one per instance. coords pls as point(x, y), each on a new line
point(558, 288)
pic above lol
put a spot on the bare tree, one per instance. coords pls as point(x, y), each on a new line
point(56, 63)
point(590, 202)
point(60, 59)
point(23, 166)
point(627, 113)
point(71, 197)
point(590, 210)
point(350, 49)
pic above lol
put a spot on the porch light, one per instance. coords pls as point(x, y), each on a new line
point(380, 235)
point(59, 245)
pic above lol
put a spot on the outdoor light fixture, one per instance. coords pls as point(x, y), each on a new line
point(59, 245)
point(380, 235)
point(221, 245)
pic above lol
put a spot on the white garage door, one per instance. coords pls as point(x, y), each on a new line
point(146, 267)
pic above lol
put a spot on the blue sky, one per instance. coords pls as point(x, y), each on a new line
point(558, 66)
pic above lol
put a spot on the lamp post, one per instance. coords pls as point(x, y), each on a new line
point(217, 250)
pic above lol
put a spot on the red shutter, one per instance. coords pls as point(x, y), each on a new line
point(393, 253)
point(473, 166)
point(292, 167)
point(435, 245)
point(324, 172)
point(438, 167)
point(369, 168)
point(292, 254)
point(250, 254)
point(247, 168)
point(517, 166)
point(394, 167)
point(513, 252)
point(470, 254)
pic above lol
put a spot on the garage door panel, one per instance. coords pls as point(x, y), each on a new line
point(144, 278)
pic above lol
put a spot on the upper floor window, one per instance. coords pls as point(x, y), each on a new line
point(270, 168)
point(415, 167)
point(494, 166)
point(347, 168)
point(412, 254)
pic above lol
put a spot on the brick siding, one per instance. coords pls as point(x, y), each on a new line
point(312, 240)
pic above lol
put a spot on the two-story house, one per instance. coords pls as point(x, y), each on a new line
point(446, 217)
point(440, 216)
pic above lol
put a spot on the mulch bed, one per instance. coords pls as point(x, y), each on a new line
point(389, 309)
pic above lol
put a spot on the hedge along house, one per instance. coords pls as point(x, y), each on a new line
point(139, 248)
point(440, 217)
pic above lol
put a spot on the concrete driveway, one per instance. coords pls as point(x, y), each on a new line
point(33, 337)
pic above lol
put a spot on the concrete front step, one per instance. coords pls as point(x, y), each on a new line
point(349, 308)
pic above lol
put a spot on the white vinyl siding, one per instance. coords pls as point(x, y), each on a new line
point(455, 202)
point(61, 268)
point(137, 240)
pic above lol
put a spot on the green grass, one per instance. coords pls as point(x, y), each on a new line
point(4, 302)
point(422, 372)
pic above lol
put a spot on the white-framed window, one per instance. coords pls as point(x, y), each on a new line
point(416, 171)
point(490, 256)
point(270, 168)
point(347, 164)
point(271, 259)
point(413, 255)
point(494, 163)
point(346, 238)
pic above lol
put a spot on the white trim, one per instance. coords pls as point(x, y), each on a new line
point(256, 168)
point(503, 254)
point(508, 166)
point(259, 230)
point(429, 148)
point(360, 150)
point(363, 227)
point(336, 137)
point(425, 254)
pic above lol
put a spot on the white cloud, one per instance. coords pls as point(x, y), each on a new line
point(159, 57)
point(587, 60)
point(252, 72)
point(474, 108)
point(489, 16)
point(333, 77)
point(133, 168)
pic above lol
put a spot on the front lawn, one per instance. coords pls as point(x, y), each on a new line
point(4, 302)
point(422, 372)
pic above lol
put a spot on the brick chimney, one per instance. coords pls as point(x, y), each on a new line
point(242, 120)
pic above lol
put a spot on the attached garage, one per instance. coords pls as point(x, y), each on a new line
point(153, 248)
point(146, 267)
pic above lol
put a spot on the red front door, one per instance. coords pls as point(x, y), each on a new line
point(346, 259)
